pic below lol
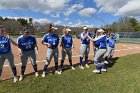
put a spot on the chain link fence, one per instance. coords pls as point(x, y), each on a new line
point(128, 37)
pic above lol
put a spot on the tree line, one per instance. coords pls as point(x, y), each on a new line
point(16, 26)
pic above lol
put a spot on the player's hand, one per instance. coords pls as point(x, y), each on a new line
point(36, 50)
point(48, 45)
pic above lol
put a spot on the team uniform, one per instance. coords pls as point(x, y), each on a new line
point(67, 43)
point(6, 54)
point(98, 59)
point(96, 45)
point(110, 49)
point(27, 46)
point(53, 41)
point(85, 48)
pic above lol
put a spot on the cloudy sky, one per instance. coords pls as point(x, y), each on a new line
point(71, 12)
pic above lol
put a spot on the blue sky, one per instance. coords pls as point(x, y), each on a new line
point(71, 12)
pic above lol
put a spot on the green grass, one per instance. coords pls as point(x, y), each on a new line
point(123, 77)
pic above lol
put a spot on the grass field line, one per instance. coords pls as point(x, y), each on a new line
point(130, 48)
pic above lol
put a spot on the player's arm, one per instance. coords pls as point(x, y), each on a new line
point(14, 43)
point(11, 40)
point(92, 39)
point(45, 42)
point(61, 41)
point(83, 37)
point(36, 47)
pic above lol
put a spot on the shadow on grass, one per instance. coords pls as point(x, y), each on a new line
point(67, 67)
point(112, 64)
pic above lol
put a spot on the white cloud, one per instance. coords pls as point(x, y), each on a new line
point(58, 22)
point(55, 16)
point(66, 19)
point(70, 23)
point(110, 6)
point(44, 6)
point(119, 7)
point(42, 21)
point(132, 8)
point(73, 8)
point(87, 12)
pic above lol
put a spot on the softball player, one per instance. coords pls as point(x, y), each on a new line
point(51, 40)
point(27, 47)
point(96, 44)
point(110, 48)
point(101, 39)
point(66, 43)
point(6, 52)
point(85, 46)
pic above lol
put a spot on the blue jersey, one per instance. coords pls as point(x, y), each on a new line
point(86, 40)
point(96, 44)
point(67, 41)
point(5, 45)
point(111, 42)
point(101, 40)
point(52, 39)
point(26, 43)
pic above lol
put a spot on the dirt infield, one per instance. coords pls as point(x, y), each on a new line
point(121, 50)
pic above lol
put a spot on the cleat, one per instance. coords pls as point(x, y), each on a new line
point(96, 71)
point(43, 74)
point(57, 72)
point(106, 62)
point(15, 79)
point(21, 78)
point(104, 70)
point(87, 66)
point(81, 67)
point(72, 68)
point(36, 74)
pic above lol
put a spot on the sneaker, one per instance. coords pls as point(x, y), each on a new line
point(57, 72)
point(43, 74)
point(104, 70)
point(81, 67)
point(21, 78)
point(96, 71)
point(36, 74)
point(106, 62)
point(87, 65)
point(72, 68)
point(15, 79)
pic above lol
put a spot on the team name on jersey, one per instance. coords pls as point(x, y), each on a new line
point(27, 43)
point(3, 42)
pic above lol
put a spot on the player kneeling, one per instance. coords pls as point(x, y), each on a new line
point(27, 48)
point(67, 44)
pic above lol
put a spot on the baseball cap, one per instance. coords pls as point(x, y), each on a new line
point(100, 30)
point(68, 29)
point(54, 28)
point(112, 34)
point(85, 27)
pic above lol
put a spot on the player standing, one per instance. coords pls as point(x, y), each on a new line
point(27, 49)
point(110, 48)
point(6, 52)
point(85, 46)
point(67, 44)
point(101, 39)
point(51, 40)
